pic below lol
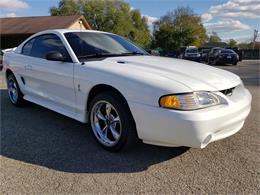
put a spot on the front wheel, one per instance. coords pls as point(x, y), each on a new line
point(14, 93)
point(215, 62)
point(112, 123)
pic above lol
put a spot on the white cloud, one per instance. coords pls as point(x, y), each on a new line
point(225, 17)
point(150, 19)
point(226, 25)
point(236, 8)
point(206, 17)
point(13, 4)
point(10, 14)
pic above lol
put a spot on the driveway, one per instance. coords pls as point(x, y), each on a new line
point(45, 152)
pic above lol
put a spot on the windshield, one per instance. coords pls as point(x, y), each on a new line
point(227, 51)
point(93, 44)
point(192, 50)
point(205, 51)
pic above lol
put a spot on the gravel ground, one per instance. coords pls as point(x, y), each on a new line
point(45, 152)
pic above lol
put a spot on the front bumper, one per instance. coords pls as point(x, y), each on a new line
point(227, 61)
point(197, 59)
point(196, 128)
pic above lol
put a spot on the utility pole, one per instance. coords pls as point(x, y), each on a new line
point(255, 36)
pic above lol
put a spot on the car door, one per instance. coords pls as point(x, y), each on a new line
point(50, 82)
point(210, 54)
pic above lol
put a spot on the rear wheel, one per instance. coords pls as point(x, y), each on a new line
point(14, 93)
point(215, 62)
point(112, 123)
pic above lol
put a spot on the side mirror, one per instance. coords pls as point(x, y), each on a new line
point(55, 56)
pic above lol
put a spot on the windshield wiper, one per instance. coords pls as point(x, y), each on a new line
point(133, 53)
point(101, 55)
point(98, 55)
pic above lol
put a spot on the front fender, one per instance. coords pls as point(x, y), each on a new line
point(146, 90)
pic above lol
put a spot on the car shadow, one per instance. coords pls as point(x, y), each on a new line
point(36, 135)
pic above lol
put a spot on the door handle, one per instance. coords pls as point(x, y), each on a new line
point(28, 67)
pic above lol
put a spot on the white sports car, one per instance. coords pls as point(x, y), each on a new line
point(125, 93)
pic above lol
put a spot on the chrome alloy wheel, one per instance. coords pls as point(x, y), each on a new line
point(106, 123)
point(12, 91)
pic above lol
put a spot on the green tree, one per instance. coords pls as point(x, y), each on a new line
point(70, 7)
point(232, 43)
point(114, 16)
point(179, 28)
point(214, 38)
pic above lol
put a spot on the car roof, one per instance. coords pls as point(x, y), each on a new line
point(192, 49)
point(228, 50)
point(217, 48)
point(62, 31)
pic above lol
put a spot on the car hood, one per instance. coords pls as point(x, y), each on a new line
point(192, 53)
point(195, 76)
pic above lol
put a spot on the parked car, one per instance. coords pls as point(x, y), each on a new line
point(239, 52)
point(212, 53)
point(225, 56)
point(204, 54)
point(192, 54)
point(155, 53)
point(171, 54)
point(123, 92)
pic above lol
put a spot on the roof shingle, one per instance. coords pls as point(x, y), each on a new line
point(31, 25)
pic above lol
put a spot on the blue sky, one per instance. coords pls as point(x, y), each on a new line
point(229, 18)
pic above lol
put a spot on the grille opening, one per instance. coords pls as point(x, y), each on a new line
point(228, 91)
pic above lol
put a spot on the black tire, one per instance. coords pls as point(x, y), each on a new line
point(235, 63)
point(19, 101)
point(128, 137)
point(215, 62)
point(209, 62)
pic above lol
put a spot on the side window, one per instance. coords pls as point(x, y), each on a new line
point(48, 43)
point(28, 47)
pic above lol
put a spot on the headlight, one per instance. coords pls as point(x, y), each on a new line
point(190, 101)
point(198, 55)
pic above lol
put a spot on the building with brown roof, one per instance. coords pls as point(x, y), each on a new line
point(15, 30)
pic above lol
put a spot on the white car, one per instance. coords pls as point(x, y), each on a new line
point(125, 93)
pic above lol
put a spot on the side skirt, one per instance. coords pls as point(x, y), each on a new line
point(55, 108)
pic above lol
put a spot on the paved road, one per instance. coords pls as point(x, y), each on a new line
point(44, 152)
